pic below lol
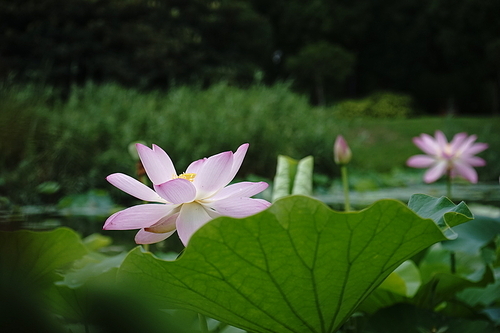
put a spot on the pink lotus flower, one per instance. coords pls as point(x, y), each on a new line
point(456, 158)
point(184, 202)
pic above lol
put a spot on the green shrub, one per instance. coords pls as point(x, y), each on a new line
point(78, 142)
point(378, 105)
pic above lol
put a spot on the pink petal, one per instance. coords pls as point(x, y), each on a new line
point(238, 190)
point(195, 166)
point(239, 207)
point(476, 148)
point(435, 172)
point(420, 161)
point(465, 171)
point(474, 161)
point(133, 187)
point(213, 174)
point(166, 224)
point(157, 163)
point(440, 139)
point(457, 141)
point(145, 237)
point(466, 145)
point(177, 191)
point(137, 217)
point(427, 144)
point(212, 213)
point(238, 157)
point(191, 217)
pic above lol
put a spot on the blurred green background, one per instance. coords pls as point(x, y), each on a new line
point(52, 147)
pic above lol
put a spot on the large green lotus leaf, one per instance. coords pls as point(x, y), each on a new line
point(31, 258)
point(398, 287)
point(295, 267)
point(29, 262)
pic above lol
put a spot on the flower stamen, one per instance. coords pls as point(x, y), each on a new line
point(187, 176)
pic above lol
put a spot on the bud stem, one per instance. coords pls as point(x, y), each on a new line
point(345, 183)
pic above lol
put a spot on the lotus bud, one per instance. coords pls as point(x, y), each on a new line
point(341, 152)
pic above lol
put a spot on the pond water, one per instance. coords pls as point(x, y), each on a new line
point(484, 194)
point(87, 212)
point(86, 220)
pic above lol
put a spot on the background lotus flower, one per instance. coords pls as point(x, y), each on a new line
point(184, 202)
point(455, 158)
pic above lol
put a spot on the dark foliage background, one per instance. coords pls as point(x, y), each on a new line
point(443, 53)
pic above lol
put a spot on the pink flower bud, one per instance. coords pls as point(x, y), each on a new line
point(341, 152)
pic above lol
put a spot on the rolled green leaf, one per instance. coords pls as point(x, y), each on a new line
point(293, 177)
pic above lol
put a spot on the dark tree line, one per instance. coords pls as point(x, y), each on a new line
point(444, 53)
point(146, 43)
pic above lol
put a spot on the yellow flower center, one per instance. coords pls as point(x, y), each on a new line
point(188, 176)
point(447, 149)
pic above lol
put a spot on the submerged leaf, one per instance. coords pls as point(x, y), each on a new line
point(296, 267)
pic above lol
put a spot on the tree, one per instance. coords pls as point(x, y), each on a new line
point(319, 62)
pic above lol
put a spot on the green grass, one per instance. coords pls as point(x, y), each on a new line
point(79, 141)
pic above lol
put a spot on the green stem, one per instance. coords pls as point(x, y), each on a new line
point(203, 323)
point(345, 183)
point(453, 263)
point(453, 260)
point(448, 184)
